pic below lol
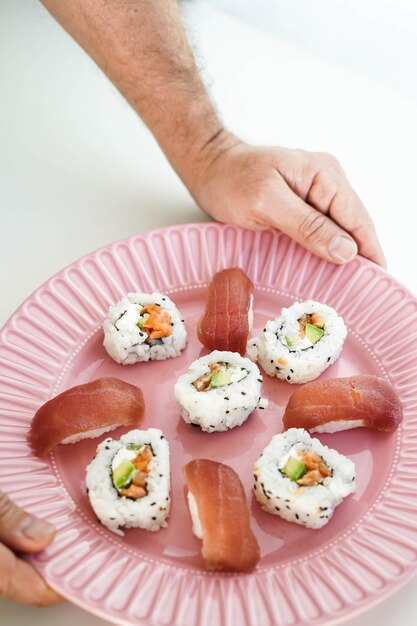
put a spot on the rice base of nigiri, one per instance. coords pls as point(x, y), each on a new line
point(144, 327)
point(115, 510)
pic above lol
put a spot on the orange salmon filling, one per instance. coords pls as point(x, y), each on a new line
point(137, 489)
point(203, 382)
point(158, 324)
point(317, 469)
point(313, 319)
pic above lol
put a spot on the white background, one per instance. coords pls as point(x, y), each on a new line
point(79, 170)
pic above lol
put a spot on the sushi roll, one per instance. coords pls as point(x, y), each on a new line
point(128, 481)
point(301, 480)
point(219, 391)
point(301, 343)
point(220, 516)
point(143, 327)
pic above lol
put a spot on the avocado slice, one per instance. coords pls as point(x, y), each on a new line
point(122, 474)
point(290, 339)
point(313, 333)
point(294, 468)
point(141, 322)
point(223, 377)
point(135, 446)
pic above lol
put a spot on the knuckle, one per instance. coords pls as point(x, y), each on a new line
point(329, 161)
point(313, 227)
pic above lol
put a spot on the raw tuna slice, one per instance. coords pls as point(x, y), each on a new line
point(227, 319)
point(85, 411)
point(220, 516)
point(327, 406)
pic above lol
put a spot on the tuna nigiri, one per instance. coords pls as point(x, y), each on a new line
point(327, 406)
point(220, 516)
point(85, 411)
point(227, 319)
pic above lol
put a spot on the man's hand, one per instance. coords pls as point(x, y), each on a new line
point(142, 47)
point(21, 532)
point(304, 194)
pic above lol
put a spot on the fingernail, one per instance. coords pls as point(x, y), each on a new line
point(34, 528)
point(343, 249)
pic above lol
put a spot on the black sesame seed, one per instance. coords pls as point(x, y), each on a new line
point(167, 498)
point(227, 412)
point(87, 490)
point(255, 477)
point(162, 437)
point(259, 380)
point(226, 398)
point(154, 518)
point(261, 407)
point(277, 368)
point(172, 323)
point(243, 393)
point(160, 475)
point(288, 507)
point(183, 321)
point(157, 304)
point(272, 360)
point(264, 330)
point(328, 358)
point(288, 377)
point(277, 508)
point(297, 516)
point(112, 518)
point(286, 500)
point(323, 508)
point(107, 447)
point(163, 299)
point(292, 371)
point(152, 503)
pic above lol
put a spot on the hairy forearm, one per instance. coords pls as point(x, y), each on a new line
point(142, 47)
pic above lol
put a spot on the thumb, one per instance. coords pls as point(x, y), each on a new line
point(21, 531)
point(312, 229)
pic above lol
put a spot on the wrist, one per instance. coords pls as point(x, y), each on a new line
point(197, 168)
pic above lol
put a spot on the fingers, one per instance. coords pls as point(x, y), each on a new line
point(19, 581)
point(331, 193)
point(311, 228)
point(21, 531)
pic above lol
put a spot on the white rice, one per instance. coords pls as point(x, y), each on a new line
point(224, 407)
point(303, 361)
point(309, 506)
point(115, 511)
point(126, 343)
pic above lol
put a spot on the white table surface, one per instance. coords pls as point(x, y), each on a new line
point(79, 170)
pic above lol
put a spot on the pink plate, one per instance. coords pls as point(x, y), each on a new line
point(54, 341)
